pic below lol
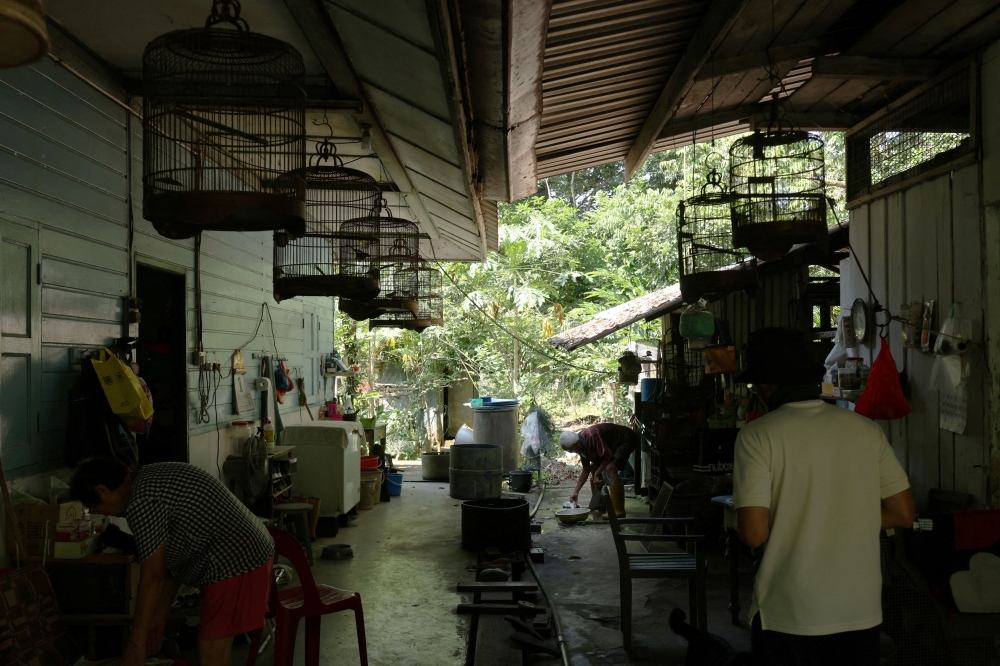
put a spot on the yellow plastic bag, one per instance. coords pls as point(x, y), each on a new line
point(121, 387)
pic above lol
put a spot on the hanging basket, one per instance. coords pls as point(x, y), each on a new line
point(780, 183)
point(223, 130)
point(709, 264)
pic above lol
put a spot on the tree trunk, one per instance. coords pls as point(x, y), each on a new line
point(572, 190)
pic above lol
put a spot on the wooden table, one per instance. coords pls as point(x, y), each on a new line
point(732, 553)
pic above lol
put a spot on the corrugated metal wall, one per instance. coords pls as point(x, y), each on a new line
point(770, 306)
point(63, 171)
point(923, 244)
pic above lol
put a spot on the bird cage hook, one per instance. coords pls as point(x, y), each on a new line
point(326, 149)
point(227, 11)
point(713, 179)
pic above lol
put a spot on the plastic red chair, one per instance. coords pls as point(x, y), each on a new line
point(309, 601)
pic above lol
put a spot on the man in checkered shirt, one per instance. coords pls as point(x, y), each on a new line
point(189, 529)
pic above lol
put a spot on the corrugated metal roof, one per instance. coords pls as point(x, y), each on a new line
point(606, 62)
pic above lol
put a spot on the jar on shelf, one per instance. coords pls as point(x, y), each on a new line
point(239, 433)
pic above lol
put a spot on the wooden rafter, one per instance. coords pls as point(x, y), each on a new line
point(719, 18)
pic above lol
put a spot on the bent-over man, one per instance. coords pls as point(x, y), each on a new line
point(188, 529)
point(602, 447)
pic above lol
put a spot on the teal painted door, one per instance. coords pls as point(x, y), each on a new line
point(20, 345)
point(310, 352)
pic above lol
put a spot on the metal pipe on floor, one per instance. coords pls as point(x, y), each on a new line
point(552, 608)
point(541, 494)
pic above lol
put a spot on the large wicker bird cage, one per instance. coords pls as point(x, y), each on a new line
point(709, 264)
point(338, 254)
point(430, 298)
point(780, 181)
point(223, 119)
point(399, 252)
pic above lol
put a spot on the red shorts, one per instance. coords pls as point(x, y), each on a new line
point(236, 605)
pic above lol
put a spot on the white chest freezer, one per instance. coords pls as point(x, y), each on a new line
point(329, 463)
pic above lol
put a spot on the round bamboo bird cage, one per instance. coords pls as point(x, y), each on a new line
point(430, 298)
point(337, 256)
point(24, 39)
point(399, 251)
point(223, 127)
point(709, 264)
point(781, 184)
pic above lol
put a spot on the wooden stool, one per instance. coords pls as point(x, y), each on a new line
point(302, 512)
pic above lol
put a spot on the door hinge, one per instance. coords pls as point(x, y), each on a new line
point(38, 273)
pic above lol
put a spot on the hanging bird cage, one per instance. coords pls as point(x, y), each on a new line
point(709, 264)
point(24, 39)
point(430, 298)
point(404, 319)
point(399, 246)
point(338, 254)
point(223, 120)
point(781, 187)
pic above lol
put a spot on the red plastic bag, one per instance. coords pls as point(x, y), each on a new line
point(883, 397)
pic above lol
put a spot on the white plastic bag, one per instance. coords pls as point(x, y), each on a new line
point(465, 435)
point(531, 433)
point(955, 333)
point(948, 372)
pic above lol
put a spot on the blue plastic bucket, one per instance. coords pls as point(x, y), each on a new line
point(395, 484)
point(650, 388)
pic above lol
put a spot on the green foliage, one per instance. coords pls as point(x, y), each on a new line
point(584, 243)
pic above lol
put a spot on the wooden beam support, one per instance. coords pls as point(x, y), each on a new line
point(749, 62)
point(315, 23)
point(719, 18)
point(876, 69)
point(820, 121)
point(453, 73)
point(708, 120)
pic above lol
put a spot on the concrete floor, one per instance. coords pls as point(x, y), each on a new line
point(586, 592)
point(408, 558)
point(407, 561)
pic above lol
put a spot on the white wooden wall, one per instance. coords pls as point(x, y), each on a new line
point(924, 244)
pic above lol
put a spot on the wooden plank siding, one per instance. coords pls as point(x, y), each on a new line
point(924, 244)
point(64, 171)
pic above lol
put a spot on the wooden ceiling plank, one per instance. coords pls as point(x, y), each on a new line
point(718, 20)
point(640, 58)
point(318, 29)
point(943, 27)
point(623, 82)
point(972, 38)
point(611, 72)
point(760, 59)
point(582, 110)
point(591, 30)
point(895, 27)
point(756, 27)
point(622, 47)
point(876, 69)
point(631, 36)
point(582, 100)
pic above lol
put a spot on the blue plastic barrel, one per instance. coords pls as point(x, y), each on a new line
point(395, 484)
point(650, 387)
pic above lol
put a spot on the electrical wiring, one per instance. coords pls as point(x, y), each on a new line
point(516, 337)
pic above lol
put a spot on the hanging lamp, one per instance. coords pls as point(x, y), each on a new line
point(780, 182)
point(709, 264)
point(338, 254)
point(223, 129)
point(24, 39)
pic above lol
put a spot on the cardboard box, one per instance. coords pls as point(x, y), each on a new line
point(38, 521)
point(74, 550)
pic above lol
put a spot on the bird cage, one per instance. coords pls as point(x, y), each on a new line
point(223, 120)
point(399, 252)
point(23, 33)
point(781, 187)
point(430, 298)
point(337, 256)
point(709, 264)
point(404, 319)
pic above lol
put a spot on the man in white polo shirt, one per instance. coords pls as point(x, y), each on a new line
point(814, 484)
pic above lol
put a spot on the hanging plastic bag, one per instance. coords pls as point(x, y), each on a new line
point(883, 398)
point(531, 432)
point(121, 387)
point(948, 372)
point(697, 322)
point(142, 427)
point(955, 333)
point(838, 354)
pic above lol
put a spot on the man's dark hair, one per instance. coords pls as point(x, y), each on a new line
point(93, 472)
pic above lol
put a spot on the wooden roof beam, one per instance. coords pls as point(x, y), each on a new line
point(876, 69)
point(711, 31)
point(315, 23)
point(749, 62)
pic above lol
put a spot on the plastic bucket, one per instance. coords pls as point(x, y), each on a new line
point(369, 488)
point(520, 481)
point(395, 484)
point(377, 475)
point(369, 462)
